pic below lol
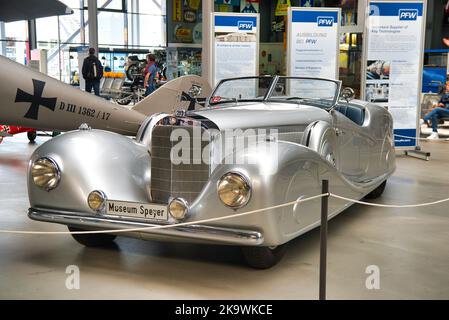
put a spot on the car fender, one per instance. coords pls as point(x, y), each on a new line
point(92, 160)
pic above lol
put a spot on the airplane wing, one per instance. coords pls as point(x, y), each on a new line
point(32, 99)
point(179, 93)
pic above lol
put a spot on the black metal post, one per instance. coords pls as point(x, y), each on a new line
point(323, 239)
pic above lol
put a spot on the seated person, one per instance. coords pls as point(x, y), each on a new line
point(441, 111)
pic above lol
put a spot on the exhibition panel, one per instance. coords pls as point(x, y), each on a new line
point(394, 57)
point(235, 45)
point(313, 42)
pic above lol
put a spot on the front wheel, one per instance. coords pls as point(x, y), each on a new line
point(376, 193)
point(92, 239)
point(263, 257)
point(32, 135)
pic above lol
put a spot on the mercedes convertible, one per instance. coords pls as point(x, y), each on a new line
point(256, 143)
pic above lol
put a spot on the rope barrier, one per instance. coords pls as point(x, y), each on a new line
point(238, 215)
point(390, 205)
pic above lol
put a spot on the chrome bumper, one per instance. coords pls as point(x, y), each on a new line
point(195, 233)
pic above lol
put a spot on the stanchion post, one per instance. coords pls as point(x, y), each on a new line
point(323, 238)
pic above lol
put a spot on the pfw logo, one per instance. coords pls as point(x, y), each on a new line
point(408, 14)
point(325, 21)
point(245, 25)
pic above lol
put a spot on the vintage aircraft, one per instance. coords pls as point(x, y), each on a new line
point(31, 99)
point(9, 131)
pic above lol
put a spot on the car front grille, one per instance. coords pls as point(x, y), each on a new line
point(186, 179)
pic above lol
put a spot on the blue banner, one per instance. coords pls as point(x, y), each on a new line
point(322, 18)
point(405, 10)
point(233, 21)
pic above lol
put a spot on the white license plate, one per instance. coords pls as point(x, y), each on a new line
point(148, 211)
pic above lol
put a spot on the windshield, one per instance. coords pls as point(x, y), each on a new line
point(241, 89)
point(317, 92)
point(321, 92)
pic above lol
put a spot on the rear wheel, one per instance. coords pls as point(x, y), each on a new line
point(376, 193)
point(133, 72)
point(263, 257)
point(92, 239)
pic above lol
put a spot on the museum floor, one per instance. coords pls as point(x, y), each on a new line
point(410, 247)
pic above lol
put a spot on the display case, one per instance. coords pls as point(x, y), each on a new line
point(183, 61)
point(351, 55)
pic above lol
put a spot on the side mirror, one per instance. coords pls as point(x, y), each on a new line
point(347, 94)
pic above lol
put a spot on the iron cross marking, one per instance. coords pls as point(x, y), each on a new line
point(35, 99)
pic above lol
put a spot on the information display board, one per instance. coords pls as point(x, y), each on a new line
point(235, 45)
point(393, 63)
point(313, 42)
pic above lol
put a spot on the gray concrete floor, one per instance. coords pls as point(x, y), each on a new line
point(410, 247)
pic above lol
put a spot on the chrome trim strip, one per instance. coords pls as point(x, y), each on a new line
point(196, 232)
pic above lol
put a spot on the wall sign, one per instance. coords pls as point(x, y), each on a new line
point(393, 63)
point(235, 45)
point(282, 7)
point(313, 42)
point(177, 10)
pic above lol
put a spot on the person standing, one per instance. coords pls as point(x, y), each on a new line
point(150, 75)
point(92, 72)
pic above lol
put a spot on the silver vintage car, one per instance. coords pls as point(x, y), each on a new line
point(257, 143)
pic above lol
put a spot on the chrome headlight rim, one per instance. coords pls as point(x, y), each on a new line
point(184, 203)
point(102, 195)
point(246, 181)
point(57, 172)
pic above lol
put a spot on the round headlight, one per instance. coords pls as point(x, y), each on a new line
point(45, 173)
point(178, 208)
point(96, 200)
point(234, 190)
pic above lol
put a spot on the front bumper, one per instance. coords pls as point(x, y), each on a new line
point(197, 233)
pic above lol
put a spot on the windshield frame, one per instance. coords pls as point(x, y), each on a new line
point(270, 88)
point(268, 96)
point(338, 83)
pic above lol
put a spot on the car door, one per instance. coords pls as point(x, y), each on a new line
point(354, 147)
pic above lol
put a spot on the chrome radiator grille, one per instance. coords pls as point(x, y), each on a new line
point(186, 179)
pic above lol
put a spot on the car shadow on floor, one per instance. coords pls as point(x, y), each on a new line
point(217, 255)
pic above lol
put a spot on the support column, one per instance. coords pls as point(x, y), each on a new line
point(2, 39)
point(82, 24)
point(206, 63)
point(135, 24)
point(93, 24)
point(32, 37)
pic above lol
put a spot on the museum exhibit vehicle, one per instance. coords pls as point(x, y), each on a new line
point(91, 179)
